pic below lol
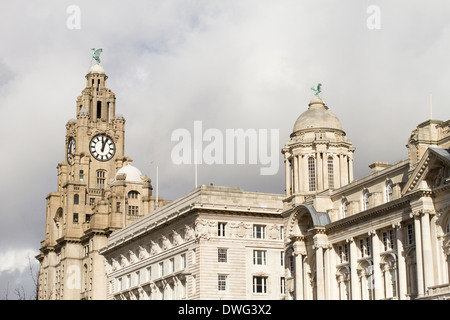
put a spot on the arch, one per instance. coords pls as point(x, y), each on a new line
point(133, 194)
point(305, 217)
point(389, 190)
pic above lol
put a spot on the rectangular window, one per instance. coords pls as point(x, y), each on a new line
point(312, 173)
point(183, 261)
point(330, 173)
point(222, 255)
point(91, 201)
point(410, 234)
point(149, 273)
point(281, 233)
point(291, 264)
point(282, 258)
point(282, 285)
point(221, 229)
point(343, 253)
point(128, 281)
point(222, 282)
point(161, 269)
point(172, 265)
point(133, 210)
point(81, 175)
point(259, 231)
point(259, 257)
point(259, 284)
point(119, 284)
point(138, 277)
point(75, 217)
point(118, 206)
point(100, 179)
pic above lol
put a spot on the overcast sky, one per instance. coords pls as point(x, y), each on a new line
point(229, 64)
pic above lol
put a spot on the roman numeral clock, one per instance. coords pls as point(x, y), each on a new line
point(102, 147)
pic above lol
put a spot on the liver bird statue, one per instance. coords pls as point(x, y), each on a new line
point(317, 89)
point(96, 54)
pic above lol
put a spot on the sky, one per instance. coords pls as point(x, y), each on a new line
point(247, 64)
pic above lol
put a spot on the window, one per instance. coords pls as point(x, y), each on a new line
point(172, 265)
point(91, 201)
point(149, 273)
point(388, 240)
point(282, 258)
point(133, 210)
point(101, 179)
point(183, 261)
point(410, 234)
point(281, 233)
point(365, 200)
point(259, 257)
point(161, 269)
point(222, 255)
point(87, 217)
point(282, 285)
point(389, 191)
point(221, 229)
point(259, 232)
point(133, 194)
point(259, 284)
point(343, 253)
point(291, 264)
point(128, 281)
point(330, 173)
point(76, 199)
point(138, 277)
point(119, 284)
point(118, 206)
point(86, 250)
point(75, 217)
point(222, 282)
point(81, 175)
point(344, 208)
point(364, 247)
point(312, 173)
point(99, 108)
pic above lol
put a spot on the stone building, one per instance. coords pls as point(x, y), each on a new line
point(384, 236)
point(98, 191)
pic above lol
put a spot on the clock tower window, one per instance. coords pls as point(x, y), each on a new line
point(101, 179)
point(99, 109)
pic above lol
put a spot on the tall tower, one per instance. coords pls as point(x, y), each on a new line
point(98, 191)
point(318, 155)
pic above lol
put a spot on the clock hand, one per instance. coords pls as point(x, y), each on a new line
point(104, 144)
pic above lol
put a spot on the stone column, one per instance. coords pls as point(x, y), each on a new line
point(301, 185)
point(350, 169)
point(376, 266)
point(333, 286)
point(356, 292)
point(419, 262)
point(287, 177)
point(401, 263)
point(299, 252)
point(428, 266)
point(325, 171)
point(319, 172)
point(341, 170)
point(296, 175)
point(319, 274)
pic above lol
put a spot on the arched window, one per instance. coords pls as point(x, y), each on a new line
point(389, 190)
point(365, 200)
point(330, 173)
point(133, 194)
point(312, 173)
point(344, 207)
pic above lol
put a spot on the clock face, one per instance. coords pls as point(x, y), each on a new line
point(70, 150)
point(102, 147)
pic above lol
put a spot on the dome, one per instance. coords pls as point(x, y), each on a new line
point(96, 68)
point(317, 116)
point(133, 173)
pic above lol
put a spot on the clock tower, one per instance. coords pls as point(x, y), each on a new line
point(98, 191)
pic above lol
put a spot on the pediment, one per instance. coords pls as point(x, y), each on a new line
point(432, 171)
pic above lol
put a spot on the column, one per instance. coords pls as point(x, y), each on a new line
point(326, 263)
point(419, 262)
point(319, 171)
point(298, 276)
point(319, 274)
point(287, 177)
point(341, 170)
point(354, 283)
point(301, 185)
point(378, 284)
point(345, 165)
point(401, 263)
point(428, 266)
point(334, 293)
point(325, 171)
point(295, 182)
point(350, 169)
